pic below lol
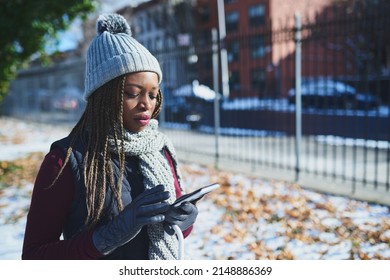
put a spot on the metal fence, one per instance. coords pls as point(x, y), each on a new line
point(343, 119)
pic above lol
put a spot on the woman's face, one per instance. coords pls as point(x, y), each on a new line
point(139, 99)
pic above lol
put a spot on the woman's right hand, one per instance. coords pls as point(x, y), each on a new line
point(145, 209)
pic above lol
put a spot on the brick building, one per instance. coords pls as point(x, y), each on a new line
point(254, 61)
point(259, 65)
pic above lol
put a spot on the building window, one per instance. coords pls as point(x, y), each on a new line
point(257, 46)
point(148, 23)
point(159, 44)
point(159, 20)
point(258, 80)
point(140, 25)
point(207, 62)
point(234, 80)
point(150, 45)
point(232, 21)
point(233, 50)
point(256, 15)
point(169, 43)
point(229, 1)
point(204, 37)
point(204, 13)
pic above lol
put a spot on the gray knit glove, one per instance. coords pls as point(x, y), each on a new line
point(147, 208)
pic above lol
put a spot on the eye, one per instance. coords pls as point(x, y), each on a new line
point(131, 94)
point(153, 96)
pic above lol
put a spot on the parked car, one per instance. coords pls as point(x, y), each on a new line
point(176, 108)
point(41, 99)
point(186, 103)
point(331, 94)
point(68, 99)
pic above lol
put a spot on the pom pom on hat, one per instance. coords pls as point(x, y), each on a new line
point(112, 23)
point(114, 52)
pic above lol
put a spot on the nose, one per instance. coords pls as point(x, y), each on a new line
point(145, 102)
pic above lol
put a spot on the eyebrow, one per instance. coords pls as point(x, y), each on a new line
point(139, 86)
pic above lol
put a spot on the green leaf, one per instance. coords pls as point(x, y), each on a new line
point(26, 26)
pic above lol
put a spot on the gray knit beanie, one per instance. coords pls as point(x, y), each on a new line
point(114, 52)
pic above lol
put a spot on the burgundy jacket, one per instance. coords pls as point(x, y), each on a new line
point(49, 210)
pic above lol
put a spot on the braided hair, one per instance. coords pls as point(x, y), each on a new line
point(101, 120)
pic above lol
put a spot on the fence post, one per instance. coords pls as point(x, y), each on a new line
point(223, 51)
point(214, 36)
point(298, 99)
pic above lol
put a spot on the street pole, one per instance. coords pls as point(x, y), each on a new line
point(214, 37)
point(298, 99)
point(223, 51)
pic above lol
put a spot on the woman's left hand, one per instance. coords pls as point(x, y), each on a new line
point(183, 216)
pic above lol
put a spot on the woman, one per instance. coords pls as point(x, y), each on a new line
point(108, 187)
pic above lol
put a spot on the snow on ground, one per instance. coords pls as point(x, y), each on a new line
point(247, 218)
point(256, 219)
point(18, 138)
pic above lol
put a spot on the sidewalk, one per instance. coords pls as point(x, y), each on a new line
point(240, 154)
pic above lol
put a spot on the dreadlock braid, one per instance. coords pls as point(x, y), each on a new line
point(102, 119)
point(158, 104)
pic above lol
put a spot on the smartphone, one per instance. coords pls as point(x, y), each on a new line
point(195, 195)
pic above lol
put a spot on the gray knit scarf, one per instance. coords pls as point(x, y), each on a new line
point(148, 146)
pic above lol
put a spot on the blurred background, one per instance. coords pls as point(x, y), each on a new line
point(230, 98)
point(296, 91)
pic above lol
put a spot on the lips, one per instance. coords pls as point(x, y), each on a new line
point(143, 119)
